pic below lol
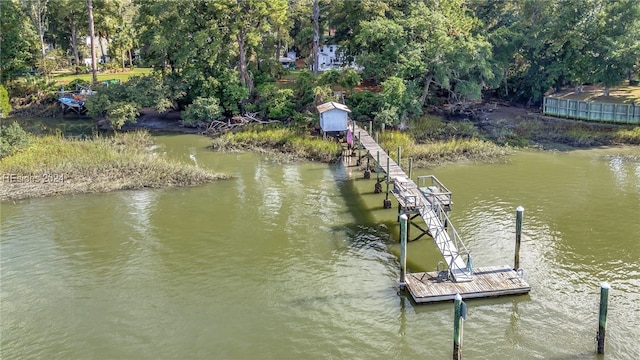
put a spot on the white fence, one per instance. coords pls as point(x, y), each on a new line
point(594, 111)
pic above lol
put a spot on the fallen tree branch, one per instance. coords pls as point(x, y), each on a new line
point(217, 127)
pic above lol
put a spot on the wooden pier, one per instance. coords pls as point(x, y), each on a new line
point(431, 201)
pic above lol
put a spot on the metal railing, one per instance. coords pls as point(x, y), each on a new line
point(591, 111)
point(432, 195)
point(445, 224)
point(434, 191)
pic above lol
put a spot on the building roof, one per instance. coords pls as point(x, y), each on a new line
point(332, 105)
point(285, 59)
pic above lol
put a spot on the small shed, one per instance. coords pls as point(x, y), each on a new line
point(333, 116)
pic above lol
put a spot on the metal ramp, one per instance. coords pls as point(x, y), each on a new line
point(432, 204)
point(460, 270)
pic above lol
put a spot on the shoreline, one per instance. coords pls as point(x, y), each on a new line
point(53, 165)
point(17, 187)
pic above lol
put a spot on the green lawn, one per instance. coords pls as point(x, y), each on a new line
point(66, 77)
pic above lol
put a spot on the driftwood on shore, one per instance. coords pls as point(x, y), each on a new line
point(216, 127)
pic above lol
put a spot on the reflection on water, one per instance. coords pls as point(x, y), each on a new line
point(297, 261)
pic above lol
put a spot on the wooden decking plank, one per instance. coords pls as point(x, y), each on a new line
point(488, 282)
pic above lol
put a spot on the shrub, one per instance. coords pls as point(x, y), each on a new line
point(118, 113)
point(363, 104)
point(276, 103)
point(202, 109)
point(11, 139)
point(98, 104)
point(120, 103)
point(349, 78)
point(76, 82)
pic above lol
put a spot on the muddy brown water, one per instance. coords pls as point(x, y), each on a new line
point(299, 261)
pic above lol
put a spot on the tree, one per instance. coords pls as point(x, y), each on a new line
point(247, 21)
point(538, 45)
point(316, 35)
point(427, 43)
point(37, 12)
point(17, 41)
point(345, 18)
point(68, 20)
point(613, 42)
point(92, 34)
point(381, 44)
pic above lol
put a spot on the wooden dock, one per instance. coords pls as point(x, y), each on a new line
point(432, 204)
point(492, 281)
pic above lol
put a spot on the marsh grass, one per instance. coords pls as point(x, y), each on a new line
point(441, 151)
point(628, 136)
point(569, 132)
point(291, 144)
point(52, 165)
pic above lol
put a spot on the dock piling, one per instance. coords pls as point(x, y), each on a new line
point(459, 313)
point(359, 147)
point(377, 189)
point(410, 167)
point(367, 172)
point(387, 203)
point(516, 260)
point(403, 252)
point(602, 318)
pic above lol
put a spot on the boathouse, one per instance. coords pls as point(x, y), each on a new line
point(333, 117)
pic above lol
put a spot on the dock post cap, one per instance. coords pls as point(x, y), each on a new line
point(519, 209)
point(458, 297)
point(605, 285)
point(404, 217)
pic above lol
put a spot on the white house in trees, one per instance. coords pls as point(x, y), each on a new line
point(333, 117)
point(289, 61)
point(101, 45)
point(329, 58)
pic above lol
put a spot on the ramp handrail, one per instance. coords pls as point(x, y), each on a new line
point(438, 207)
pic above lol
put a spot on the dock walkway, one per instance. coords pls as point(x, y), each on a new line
point(432, 201)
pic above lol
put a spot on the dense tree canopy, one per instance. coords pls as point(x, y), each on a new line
point(224, 53)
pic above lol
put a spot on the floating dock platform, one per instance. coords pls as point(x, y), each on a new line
point(491, 281)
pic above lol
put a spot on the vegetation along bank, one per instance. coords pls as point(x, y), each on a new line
point(36, 166)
